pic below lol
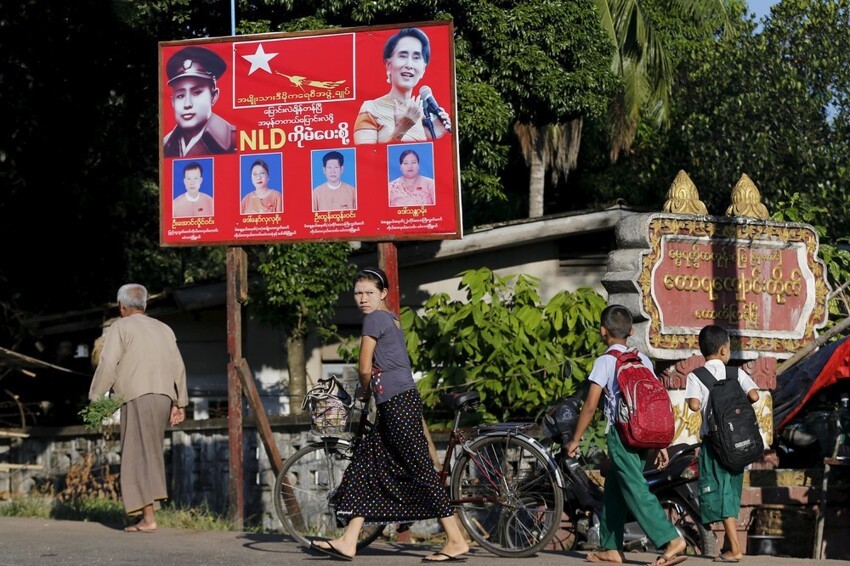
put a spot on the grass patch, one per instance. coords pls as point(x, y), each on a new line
point(31, 507)
point(98, 510)
point(197, 518)
point(109, 512)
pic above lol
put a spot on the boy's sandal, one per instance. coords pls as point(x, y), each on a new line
point(664, 560)
point(599, 559)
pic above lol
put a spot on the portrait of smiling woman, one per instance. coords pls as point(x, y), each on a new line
point(262, 199)
point(411, 188)
point(398, 116)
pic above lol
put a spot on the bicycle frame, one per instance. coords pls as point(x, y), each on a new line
point(457, 440)
point(506, 488)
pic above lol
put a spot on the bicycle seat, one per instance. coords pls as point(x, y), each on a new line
point(467, 401)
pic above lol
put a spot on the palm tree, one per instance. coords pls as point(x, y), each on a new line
point(642, 63)
point(552, 147)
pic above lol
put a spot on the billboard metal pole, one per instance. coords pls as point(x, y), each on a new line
point(388, 261)
point(237, 285)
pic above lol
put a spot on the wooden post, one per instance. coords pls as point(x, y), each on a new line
point(820, 519)
point(237, 293)
point(388, 261)
point(266, 435)
point(812, 346)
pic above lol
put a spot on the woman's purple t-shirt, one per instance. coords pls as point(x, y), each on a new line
point(390, 355)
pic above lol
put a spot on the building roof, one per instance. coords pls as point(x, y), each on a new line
point(13, 360)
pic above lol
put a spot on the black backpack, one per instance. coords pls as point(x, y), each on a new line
point(733, 429)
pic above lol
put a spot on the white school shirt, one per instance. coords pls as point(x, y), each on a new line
point(694, 389)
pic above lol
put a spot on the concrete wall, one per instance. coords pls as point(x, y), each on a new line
point(196, 462)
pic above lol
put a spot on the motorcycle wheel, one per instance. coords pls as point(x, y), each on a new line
point(700, 540)
point(566, 537)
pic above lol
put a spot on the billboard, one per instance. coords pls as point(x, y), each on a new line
point(343, 134)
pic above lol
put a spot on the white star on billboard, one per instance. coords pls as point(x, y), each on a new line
point(260, 60)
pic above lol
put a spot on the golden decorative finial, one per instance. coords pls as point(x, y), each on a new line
point(746, 200)
point(683, 198)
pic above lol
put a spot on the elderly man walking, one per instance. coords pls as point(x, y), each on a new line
point(141, 364)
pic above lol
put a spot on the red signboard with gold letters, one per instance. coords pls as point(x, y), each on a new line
point(345, 134)
point(760, 280)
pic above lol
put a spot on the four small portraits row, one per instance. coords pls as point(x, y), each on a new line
point(410, 181)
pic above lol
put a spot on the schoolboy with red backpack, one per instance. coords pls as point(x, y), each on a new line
point(721, 476)
point(625, 486)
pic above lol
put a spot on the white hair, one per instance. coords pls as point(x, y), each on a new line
point(133, 296)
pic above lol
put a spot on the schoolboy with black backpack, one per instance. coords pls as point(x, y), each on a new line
point(720, 485)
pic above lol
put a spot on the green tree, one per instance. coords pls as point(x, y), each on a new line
point(773, 105)
point(776, 107)
point(78, 149)
point(535, 66)
point(642, 61)
point(549, 62)
point(503, 342)
point(835, 252)
point(302, 284)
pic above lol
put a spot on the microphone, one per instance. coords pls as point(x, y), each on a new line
point(431, 106)
point(430, 125)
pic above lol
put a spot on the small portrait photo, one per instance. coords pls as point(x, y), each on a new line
point(261, 180)
point(334, 174)
point(193, 187)
point(411, 175)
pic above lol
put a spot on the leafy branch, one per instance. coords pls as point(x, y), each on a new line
point(96, 412)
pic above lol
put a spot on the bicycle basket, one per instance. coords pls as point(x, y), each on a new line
point(330, 407)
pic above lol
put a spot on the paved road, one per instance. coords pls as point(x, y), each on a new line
point(39, 542)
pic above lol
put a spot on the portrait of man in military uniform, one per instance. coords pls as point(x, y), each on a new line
point(192, 74)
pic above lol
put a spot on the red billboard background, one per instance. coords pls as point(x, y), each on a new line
point(292, 98)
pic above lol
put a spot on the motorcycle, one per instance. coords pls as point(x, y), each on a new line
point(675, 486)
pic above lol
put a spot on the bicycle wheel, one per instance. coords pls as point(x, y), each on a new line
point(304, 489)
point(507, 495)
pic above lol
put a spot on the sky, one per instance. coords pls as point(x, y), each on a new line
point(761, 7)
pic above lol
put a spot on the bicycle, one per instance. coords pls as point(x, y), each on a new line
point(506, 488)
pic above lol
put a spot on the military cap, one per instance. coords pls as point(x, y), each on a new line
point(194, 62)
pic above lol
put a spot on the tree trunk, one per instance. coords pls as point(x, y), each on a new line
point(552, 146)
point(296, 363)
point(537, 174)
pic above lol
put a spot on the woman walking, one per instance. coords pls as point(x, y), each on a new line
point(392, 477)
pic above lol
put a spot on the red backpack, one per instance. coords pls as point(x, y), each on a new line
point(644, 413)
